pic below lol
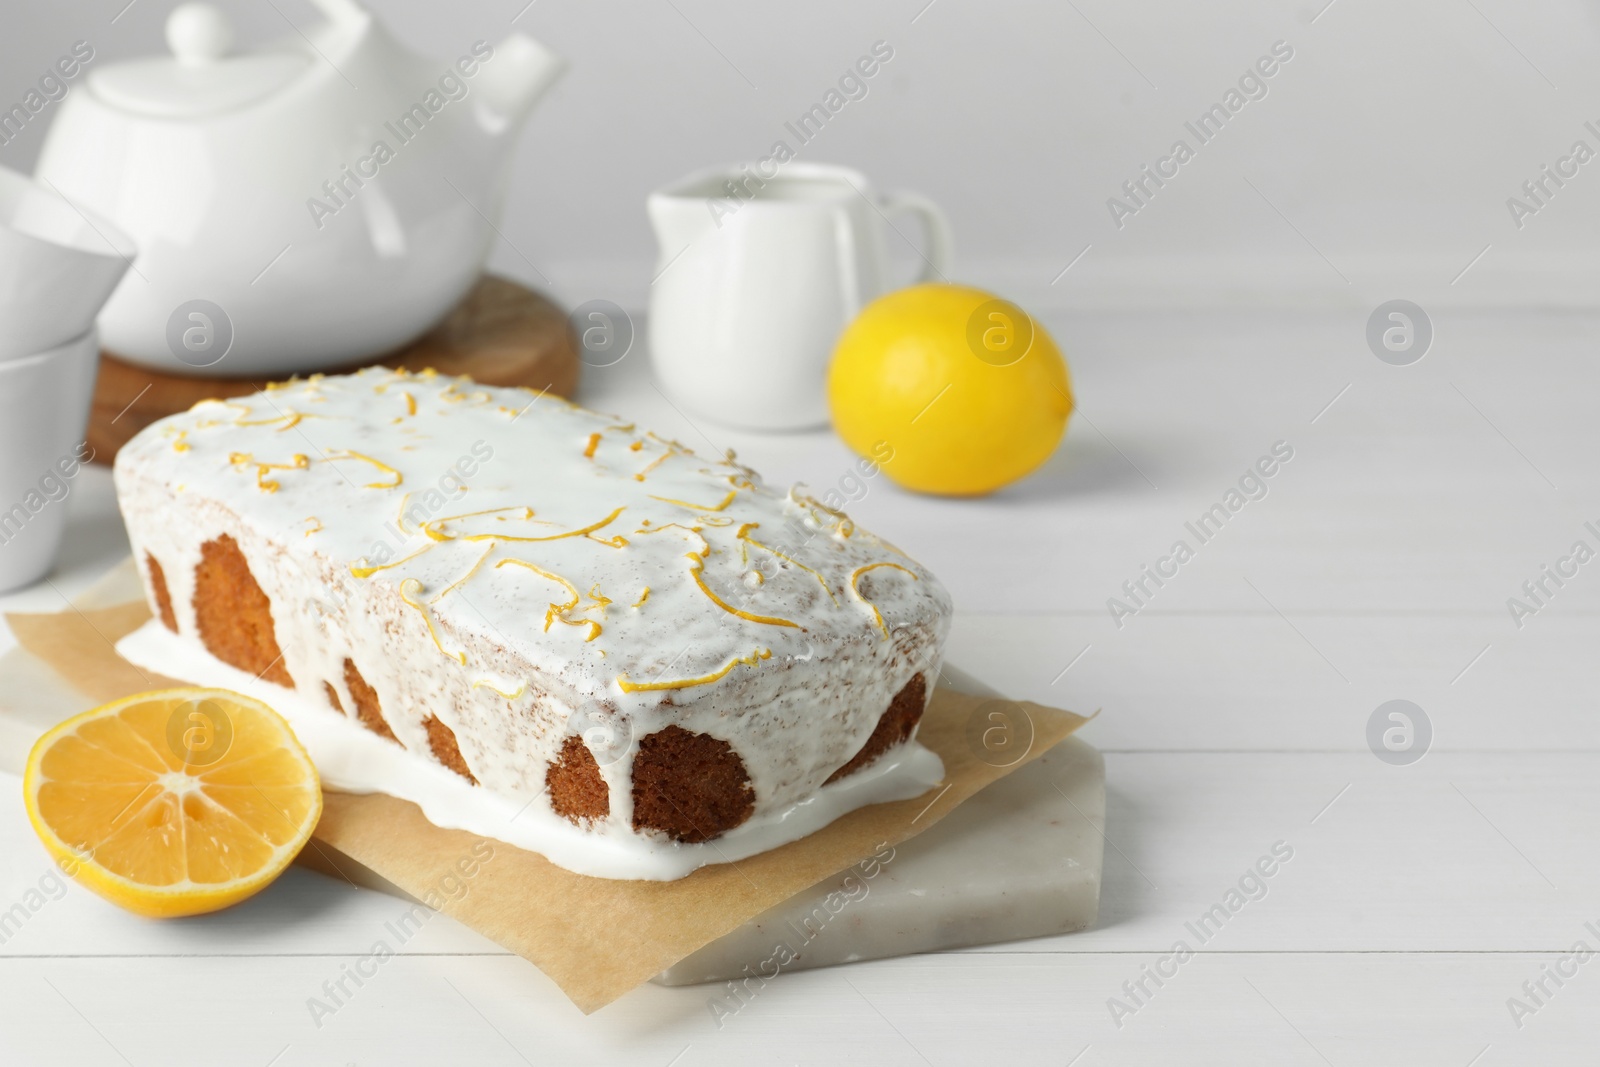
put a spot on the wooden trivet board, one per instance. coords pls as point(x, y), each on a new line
point(502, 333)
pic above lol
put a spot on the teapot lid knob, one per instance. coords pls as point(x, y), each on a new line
point(202, 76)
point(198, 33)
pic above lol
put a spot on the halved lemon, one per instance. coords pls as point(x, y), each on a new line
point(173, 803)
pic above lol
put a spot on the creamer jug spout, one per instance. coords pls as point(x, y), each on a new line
point(680, 219)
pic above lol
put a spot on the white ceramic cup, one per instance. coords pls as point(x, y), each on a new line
point(757, 278)
point(44, 411)
point(58, 265)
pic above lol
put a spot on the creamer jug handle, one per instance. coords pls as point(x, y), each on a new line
point(939, 258)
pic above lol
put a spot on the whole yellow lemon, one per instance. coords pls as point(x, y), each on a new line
point(962, 391)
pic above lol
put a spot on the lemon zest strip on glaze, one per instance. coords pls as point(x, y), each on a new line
point(297, 462)
point(464, 578)
point(368, 572)
point(439, 535)
point(290, 420)
point(732, 493)
point(744, 535)
point(697, 565)
point(658, 461)
point(398, 477)
point(843, 526)
point(751, 660)
point(855, 576)
point(595, 629)
point(581, 532)
point(557, 612)
point(484, 683)
point(407, 589)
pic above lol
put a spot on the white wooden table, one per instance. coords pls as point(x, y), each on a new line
point(1235, 705)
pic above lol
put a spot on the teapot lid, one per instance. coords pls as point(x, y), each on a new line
point(199, 78)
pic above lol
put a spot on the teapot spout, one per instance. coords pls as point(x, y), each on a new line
point(519, 71)
point(344, 13)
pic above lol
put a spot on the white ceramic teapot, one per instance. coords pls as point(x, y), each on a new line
point(321, 201)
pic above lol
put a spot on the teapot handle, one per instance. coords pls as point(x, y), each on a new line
point(940, 256)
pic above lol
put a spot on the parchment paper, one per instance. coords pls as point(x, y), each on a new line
point(597, 938)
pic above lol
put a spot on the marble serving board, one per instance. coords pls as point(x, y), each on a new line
point(1020, 859)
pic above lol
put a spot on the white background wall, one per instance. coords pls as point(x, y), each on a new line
point(1377, 166)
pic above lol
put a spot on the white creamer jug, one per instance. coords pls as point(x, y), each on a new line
point(757, 278)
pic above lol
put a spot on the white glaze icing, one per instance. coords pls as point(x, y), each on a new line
point(355, 760)
point(392, 519)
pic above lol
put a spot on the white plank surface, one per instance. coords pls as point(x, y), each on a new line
point(1233, 716)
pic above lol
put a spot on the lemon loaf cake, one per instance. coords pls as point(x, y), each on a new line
point(555, 606)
